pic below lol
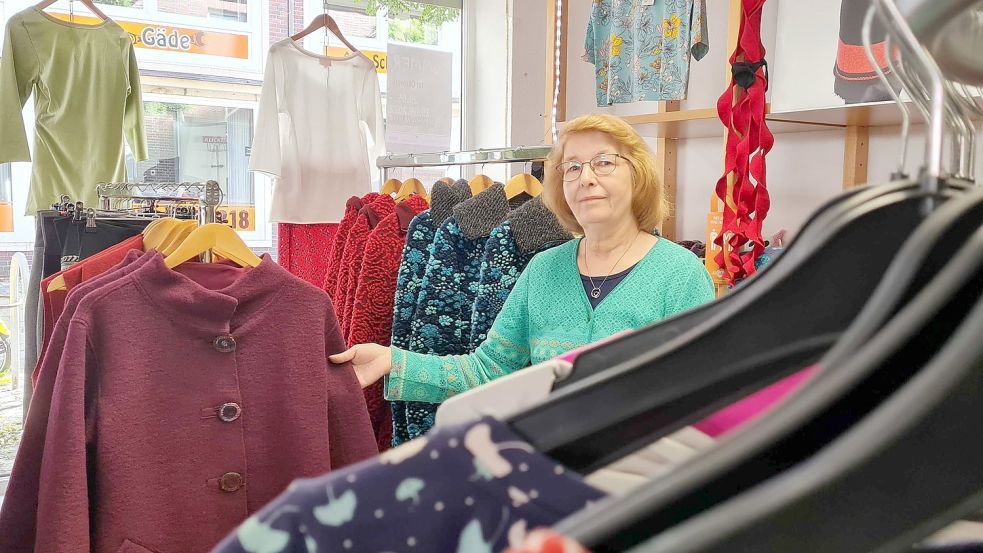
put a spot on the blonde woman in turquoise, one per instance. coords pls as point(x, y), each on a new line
point(602, 184)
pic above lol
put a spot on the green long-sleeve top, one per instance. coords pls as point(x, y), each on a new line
point(548, 314)
point(87, 98)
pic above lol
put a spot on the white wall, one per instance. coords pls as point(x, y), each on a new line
point(487, 82)
point(804, 169)
point(529, 75)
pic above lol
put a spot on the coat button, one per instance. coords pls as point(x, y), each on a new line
point(224, 344)
point(229, 412)
point(230, 482)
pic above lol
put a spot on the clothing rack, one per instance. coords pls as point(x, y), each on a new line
point(518, 154)
point(209, 195)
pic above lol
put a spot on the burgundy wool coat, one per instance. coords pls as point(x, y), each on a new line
point(182, 402)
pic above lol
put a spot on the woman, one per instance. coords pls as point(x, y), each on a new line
point(602, 184)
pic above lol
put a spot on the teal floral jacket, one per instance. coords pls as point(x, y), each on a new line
point(641, 49)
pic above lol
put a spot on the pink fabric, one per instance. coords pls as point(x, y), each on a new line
point(746, 410)
point(737, 414)
point(573, 354)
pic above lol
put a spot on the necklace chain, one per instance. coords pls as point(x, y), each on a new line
point(595, 291)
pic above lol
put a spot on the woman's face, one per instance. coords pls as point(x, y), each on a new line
point(595, 199)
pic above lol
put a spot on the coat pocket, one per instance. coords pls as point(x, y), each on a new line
point(130, 547)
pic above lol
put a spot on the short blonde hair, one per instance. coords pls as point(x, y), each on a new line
point(649, 203)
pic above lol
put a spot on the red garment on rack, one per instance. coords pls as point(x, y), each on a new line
point(330, 278)
point(302, 249)
point(351, 261)
point(748, 142)
point(375, 292)
point(54, 302)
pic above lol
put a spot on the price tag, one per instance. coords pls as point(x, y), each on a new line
point(239, 217)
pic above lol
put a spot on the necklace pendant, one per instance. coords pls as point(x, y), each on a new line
point(595, 293)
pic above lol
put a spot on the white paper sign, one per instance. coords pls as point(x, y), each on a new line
point(418, 100)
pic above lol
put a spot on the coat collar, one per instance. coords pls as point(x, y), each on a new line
point(478, 216)
point(185, 295)
point(535, 226)
point(443, 198)
point(408, 209)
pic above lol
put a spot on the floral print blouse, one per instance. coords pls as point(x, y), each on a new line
point(641, 49)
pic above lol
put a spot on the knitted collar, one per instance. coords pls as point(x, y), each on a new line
point(442, 201)
point(408, 209)
point(462, 189)
point(478, 216)
point(534, 226)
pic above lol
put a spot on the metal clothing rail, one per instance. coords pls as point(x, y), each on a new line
point(208, 195)
point(470, 157)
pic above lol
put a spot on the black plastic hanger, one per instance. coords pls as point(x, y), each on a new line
point(744, 462)
point(607, 355)
point(901, 472)
point(803, 311)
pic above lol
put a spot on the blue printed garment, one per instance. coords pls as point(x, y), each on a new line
point(641, 49)
point(473, 488)
point(412, 268)
point(529, 230)
point(442, 323)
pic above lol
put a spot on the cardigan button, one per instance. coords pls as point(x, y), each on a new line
point(230, 482)
point(224, 344)
point(229, 412)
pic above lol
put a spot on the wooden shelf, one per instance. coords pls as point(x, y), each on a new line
point(703, 122)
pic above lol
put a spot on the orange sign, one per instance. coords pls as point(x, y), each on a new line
point(378, 57)
point(239, 217)
point(177, 39)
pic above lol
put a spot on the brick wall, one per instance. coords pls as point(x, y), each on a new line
point(279, 19)
point(162, 165)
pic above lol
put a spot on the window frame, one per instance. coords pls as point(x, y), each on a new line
point(262, 237)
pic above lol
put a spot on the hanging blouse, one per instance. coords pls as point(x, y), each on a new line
point(641, 49)
point(87, 98)
point(318, 132)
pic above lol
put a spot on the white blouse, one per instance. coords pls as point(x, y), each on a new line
point(319, 131)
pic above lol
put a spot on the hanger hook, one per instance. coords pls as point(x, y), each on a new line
point(933, 150)
point(905, 115)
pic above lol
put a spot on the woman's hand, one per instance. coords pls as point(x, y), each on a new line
point(370, 361)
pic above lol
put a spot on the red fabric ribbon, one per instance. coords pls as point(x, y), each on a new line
point(748, 142)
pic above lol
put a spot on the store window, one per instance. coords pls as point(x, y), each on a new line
point(195, 142)
point(233, 10)
point(411, 35)
point(6, 199)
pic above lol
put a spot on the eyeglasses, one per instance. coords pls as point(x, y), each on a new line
point(601, 164)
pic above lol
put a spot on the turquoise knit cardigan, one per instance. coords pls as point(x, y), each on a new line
point(548, 314)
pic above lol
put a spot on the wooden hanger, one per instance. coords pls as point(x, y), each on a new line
point(523, 183)
point(411, 186)
point(179, 233)
point(158, 232)
point(391, 186)
point(325, 21)
point(480, 183)
point(87, 3)
point(218, 238)
point(446, 180)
